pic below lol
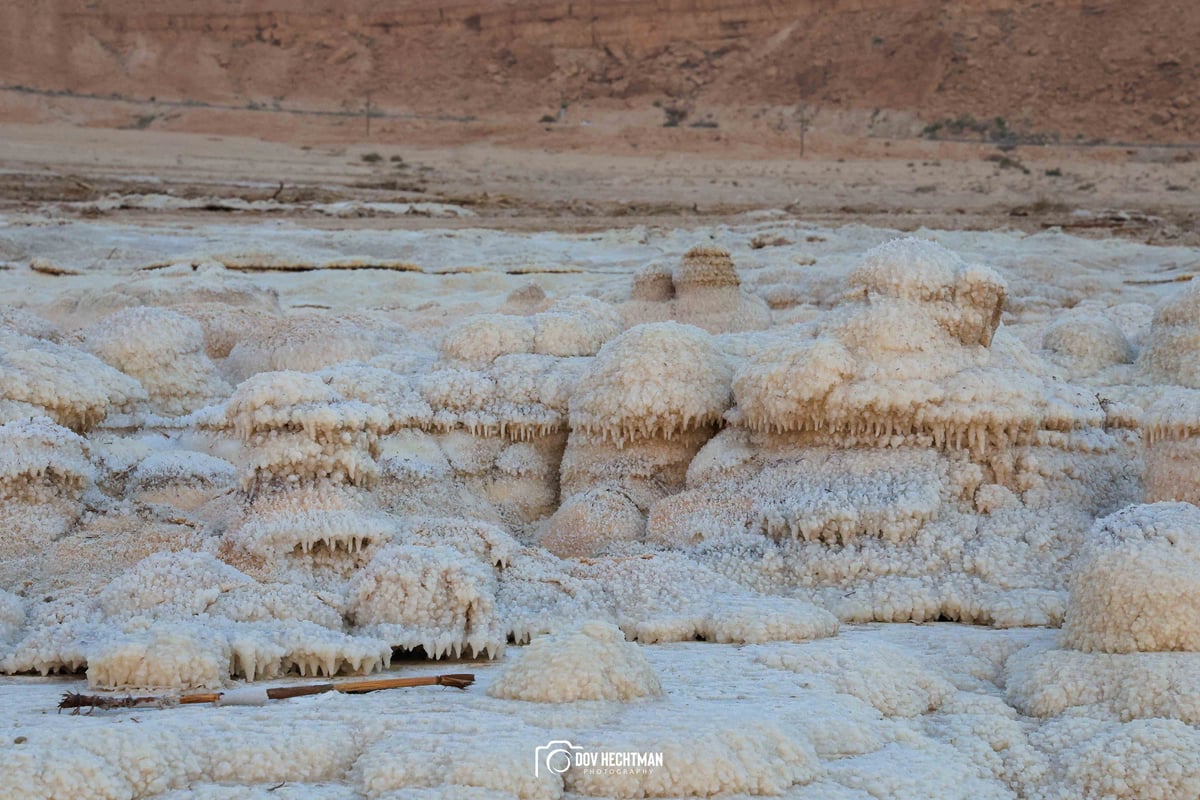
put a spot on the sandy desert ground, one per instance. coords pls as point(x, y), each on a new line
point(833, 478)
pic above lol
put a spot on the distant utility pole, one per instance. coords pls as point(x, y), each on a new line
point(805, 116)
point(368, 115)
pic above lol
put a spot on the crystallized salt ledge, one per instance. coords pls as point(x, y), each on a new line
point(572, 479)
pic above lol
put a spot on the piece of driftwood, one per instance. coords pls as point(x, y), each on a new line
point(257, 696)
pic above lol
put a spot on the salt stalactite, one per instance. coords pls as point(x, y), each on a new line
point(646, 405)
point(186, 620)
point(164, 351)
point(44, 469)
point(1170, 418)
point(432, 597)
point(703, 290)
point(480, 432)
point(308, 455)
point(1171, 439)
point(903, 455)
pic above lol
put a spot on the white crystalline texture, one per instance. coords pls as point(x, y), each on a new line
point(75, 389)
point(179, 584)
point(847, 497)
point(1121, 686)
point(225, 325)
point(435, 598)
point(296, 427)
point(667, 597)
point(305, 517)
point(182, 468)
point(748, 755)
point(1137, 585)
point(1171, 433)
point(521, 396)
point(305, 343)
point(913, 350)
point(443, 762)
point(586, 522)
point(573, 326)
point(12, 617)
point(882, 676)
point(479, 340)
point(15, 320)
point(396, 394)
point(1087, 342)
point(166, 654)
point(1169, 356)
point(164, 350)
point(486, 542)
point(591, 662)
point(40, 460)
point(653, 380)
point(1145, 759)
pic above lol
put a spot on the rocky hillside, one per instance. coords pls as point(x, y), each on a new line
point(1098, 70)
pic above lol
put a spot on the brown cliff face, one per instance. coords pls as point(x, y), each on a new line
point(1105, 69)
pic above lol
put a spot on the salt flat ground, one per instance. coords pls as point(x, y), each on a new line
point(879, 710)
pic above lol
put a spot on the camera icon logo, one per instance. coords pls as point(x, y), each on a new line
point(554, 757)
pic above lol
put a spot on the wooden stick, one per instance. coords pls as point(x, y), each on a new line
point(76, 701)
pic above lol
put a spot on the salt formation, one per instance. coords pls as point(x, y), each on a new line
point(1134, 610)
point(704, 290)
point(306, 343)
point(1170, 426)
point(431, 597)
point(1170, 421)
point(651, 597)
point(896, 459)
point(164, 351)
point(593, 662)
point(44, 469)
point(311, 456)
point(1174, 338)
point(14, 320)
point(180, 284)
point(1137, 586)
point(645, 406)
point(892, 453)
point(1086, 343)
point(186, 620)
point(73, 388)
point(297, 428)
point(225, 325)
point(183, 479)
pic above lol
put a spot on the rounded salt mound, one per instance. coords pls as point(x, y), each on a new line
point(1137, 586)
point(589, 521)
point(658, 379)
point(1087, 342)
point(592, 662)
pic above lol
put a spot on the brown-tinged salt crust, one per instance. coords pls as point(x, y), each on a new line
point(527, 476)
point(703, 290)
